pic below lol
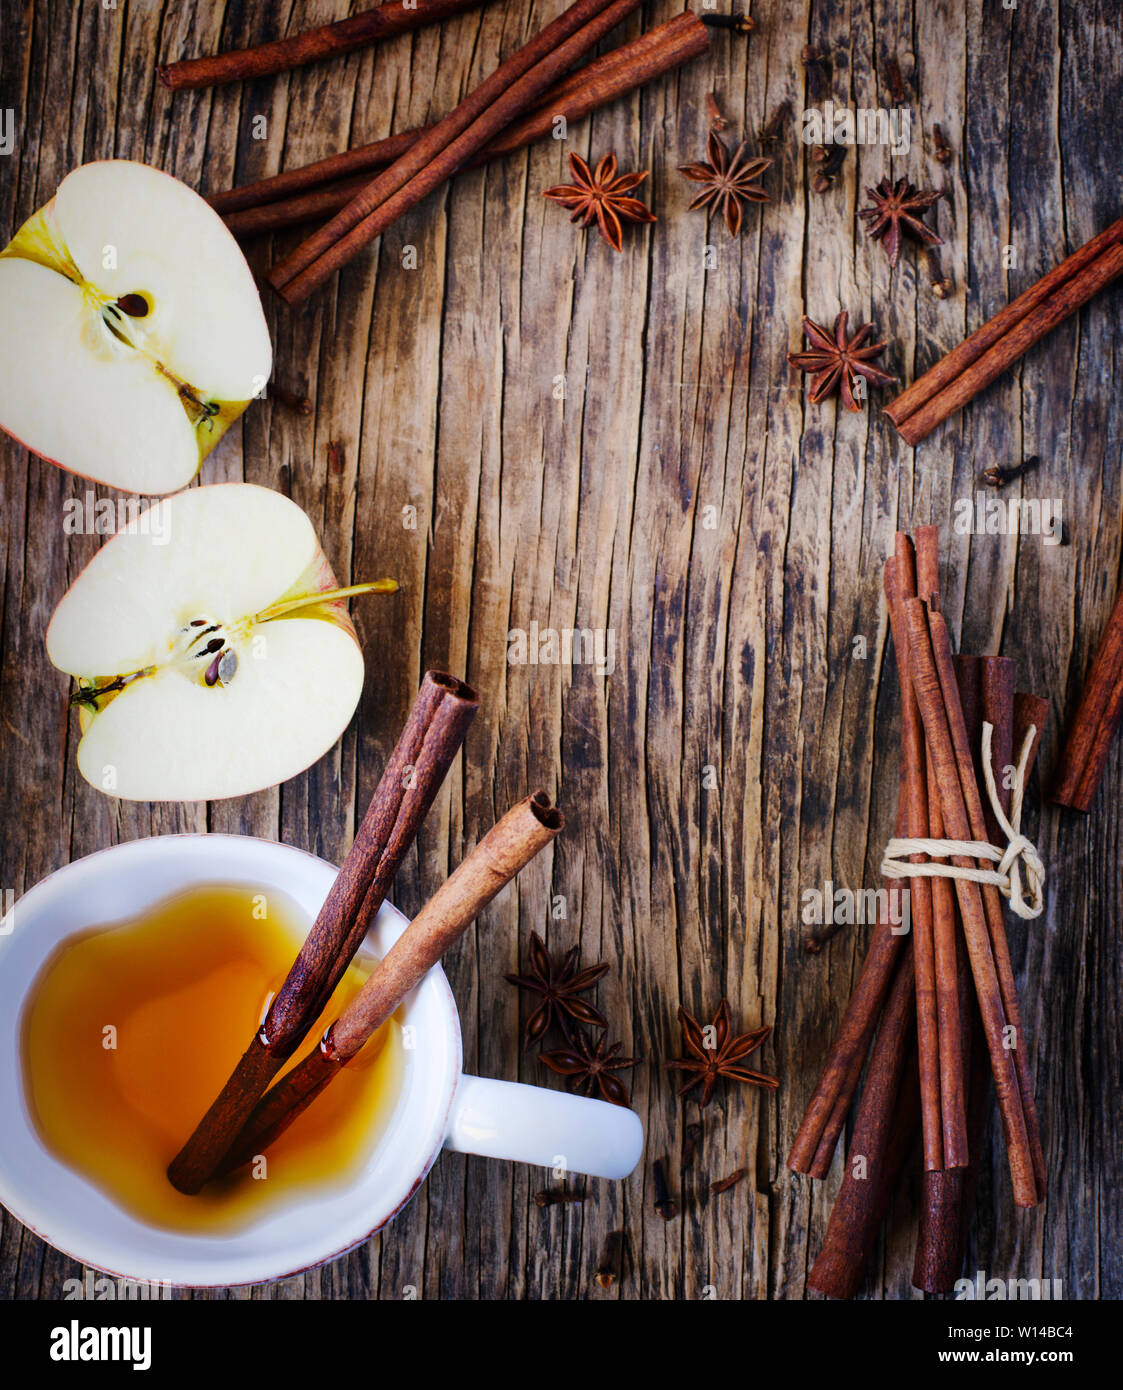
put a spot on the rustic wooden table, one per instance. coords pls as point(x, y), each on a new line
point(537, 431)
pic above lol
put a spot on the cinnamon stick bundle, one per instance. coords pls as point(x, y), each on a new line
point(317, 191)
point(498, 857)
point(1002, 340)
point(434, 731)
point(977, 1008)
point(948, 1198)
point(1092, 732)
point(515, 86)
point(935, 701)
point(998, 697)
point(327, 41)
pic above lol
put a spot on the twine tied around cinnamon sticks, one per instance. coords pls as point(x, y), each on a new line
point(1007, 877)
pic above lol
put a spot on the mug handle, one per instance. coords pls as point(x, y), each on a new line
point(529, 1124)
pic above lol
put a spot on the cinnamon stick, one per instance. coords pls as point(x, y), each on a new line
point(883, 1131)
point(945, 928)
point(1092, 731)
point(327, 41)
point(498, 857)
point(817, 1136)
point(322, 188)
point(434, 731)
point(991, 349)
point(823, 1158)
point(1030, 712)
point(931, 699)
point(314, 206)
point(508, 93)
point(900, 586)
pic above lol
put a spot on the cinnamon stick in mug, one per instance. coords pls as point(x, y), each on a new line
point(434, 731)
point(498, 857)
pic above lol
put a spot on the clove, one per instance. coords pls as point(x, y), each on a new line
point(295, 400)
point(898, 93)
point(941, 148)
point(665, 1205)
point(738, 23)
point(818, 68)
point(828, 161)
point(713, 110)
point(556, 1196)
point(999, 476)
point(611, 1263)
point(770, 131)
point(941, 283)
point(814, 944)
point(724, 1184)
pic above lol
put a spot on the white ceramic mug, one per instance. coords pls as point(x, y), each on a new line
point(437, 1106)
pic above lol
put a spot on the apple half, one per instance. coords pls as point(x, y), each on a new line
point(131, 330)
point(212, 648)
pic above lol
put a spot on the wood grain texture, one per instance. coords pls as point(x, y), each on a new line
point(684, 495)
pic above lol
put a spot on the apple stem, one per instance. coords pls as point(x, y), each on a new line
point(377, 586)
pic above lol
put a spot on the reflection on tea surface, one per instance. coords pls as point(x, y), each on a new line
point(131, 1031)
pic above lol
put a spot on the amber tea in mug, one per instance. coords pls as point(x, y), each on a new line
point(131, 1030)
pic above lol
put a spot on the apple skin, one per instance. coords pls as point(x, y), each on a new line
point(40, 240)
point(319, 578)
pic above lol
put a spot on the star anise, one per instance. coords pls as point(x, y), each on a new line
point(897, 208)
point(589, 1063)
point(838, 361)
point(559, 986)
point(601, 195)
point(707, 1065)
point(730, 182)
